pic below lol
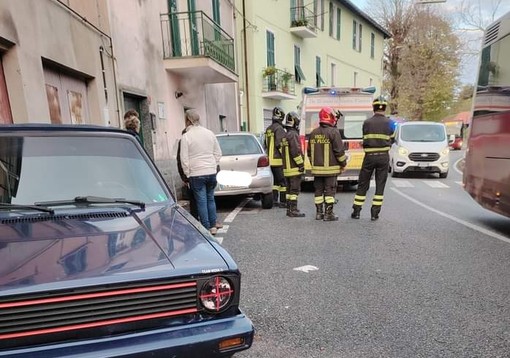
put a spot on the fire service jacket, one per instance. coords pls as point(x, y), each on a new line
point(274, 135)
point(326, 151)
point(292, 154)
point(378, 134)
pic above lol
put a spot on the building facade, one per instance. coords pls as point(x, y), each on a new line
point(89, 61)
point(285, 46)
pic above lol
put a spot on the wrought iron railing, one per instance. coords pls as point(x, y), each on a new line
point(190, 34)
point(302, 16)
point(278, 80)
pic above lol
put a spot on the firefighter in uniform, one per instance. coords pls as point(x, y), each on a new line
point(378, 134)
point(327, 158)
point(293, 163)
point(273, 139)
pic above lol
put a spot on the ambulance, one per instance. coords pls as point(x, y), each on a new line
point(355, 105)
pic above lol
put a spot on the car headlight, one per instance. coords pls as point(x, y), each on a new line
point(403, 151)
point(216, 294)
point(445, 151)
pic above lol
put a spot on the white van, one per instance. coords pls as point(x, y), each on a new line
point(420, 147)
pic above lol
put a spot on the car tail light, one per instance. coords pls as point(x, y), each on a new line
point(216, 294)
point(263, 161)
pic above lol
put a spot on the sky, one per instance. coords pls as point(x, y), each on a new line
point(469, 62)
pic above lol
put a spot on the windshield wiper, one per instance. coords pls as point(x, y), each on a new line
point(8, 206)
point(91, 200)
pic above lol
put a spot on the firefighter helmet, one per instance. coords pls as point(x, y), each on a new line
point(292, 120)
point(327, 116)
point(278, 114)
point(379, 104)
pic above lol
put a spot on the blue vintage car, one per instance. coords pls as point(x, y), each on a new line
point(98, 260)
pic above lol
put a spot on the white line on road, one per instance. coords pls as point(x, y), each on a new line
point(230, 217)
point(435, 184)
point(402, 183)
point(456, 166)
point(457, 220)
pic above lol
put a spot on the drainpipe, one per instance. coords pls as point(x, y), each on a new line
point(246, 86)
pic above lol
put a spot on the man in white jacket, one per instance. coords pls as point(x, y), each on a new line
point(200, 157)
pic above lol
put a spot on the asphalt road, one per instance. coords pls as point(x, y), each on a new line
point(429, 279)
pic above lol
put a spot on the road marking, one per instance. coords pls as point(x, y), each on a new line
point(460, 183)
point(223, 230)
point(306, 268)
point(457, 220)
point(456, 165)
point(230, 217)
point(402, 183)
point(219, 239)
point(435, 184)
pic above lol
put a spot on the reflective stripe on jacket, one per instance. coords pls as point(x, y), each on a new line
point(378, 134)
point(273, 136)
point(292, 153)
point(326, 151)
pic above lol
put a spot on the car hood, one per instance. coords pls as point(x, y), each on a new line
point(102, 246)
point(428, 147)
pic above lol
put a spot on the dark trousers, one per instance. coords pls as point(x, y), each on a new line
point(293, 187)
point(325, 189)
point(279, 183)
point(373, 162)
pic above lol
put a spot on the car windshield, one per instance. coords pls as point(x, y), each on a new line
point(423, 133)
point(239, 145)
point(49, 168)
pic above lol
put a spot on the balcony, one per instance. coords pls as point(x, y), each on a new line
point(194, 46)
point(302, 22)
point(278, 84)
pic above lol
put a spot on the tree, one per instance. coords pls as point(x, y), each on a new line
point(421, 58)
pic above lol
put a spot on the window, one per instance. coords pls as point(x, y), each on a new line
point(298, 71)
point(354, 34)
point(270, 48)
point(322, 15)
point(318, 79)
point(333, 75)
point(372, 45)
point(338, 22)
point(360, 33)
point(216, 11)
point(331, 18)
point(355, 79)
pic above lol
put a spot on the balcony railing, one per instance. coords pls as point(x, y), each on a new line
point(300, 16)
point(193, 34)
point(276, 80)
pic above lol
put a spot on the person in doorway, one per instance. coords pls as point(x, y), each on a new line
point(273, 140)
point(293, 163)
point(328, 159)
point(378, 134)
point(132, 123)
point(200, 157)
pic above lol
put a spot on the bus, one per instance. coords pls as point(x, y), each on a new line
point(487, 163)
point(356, 106)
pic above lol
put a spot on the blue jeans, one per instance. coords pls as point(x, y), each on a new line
point(203, 191)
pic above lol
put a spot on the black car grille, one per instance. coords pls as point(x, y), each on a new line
point(424, 157)
point(43, 314)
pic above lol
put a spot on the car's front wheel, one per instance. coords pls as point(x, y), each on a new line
point(267, 201)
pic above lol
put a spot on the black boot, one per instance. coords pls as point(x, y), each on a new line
point(294, 212)
point(329, 215)
point(288, 207)
point(355, 211)
point(275, 196)
point(319, 213)
point(374, 211)
point(283, 199)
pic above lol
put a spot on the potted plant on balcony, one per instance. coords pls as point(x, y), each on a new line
point(269, 73)
point(286, 77)
point(300, 22)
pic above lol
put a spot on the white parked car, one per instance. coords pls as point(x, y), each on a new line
point(420, 146)
point(244, 168)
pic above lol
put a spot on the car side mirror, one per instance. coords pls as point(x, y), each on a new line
point(451, 139)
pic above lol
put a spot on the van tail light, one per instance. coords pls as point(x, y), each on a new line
point(263, 161)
